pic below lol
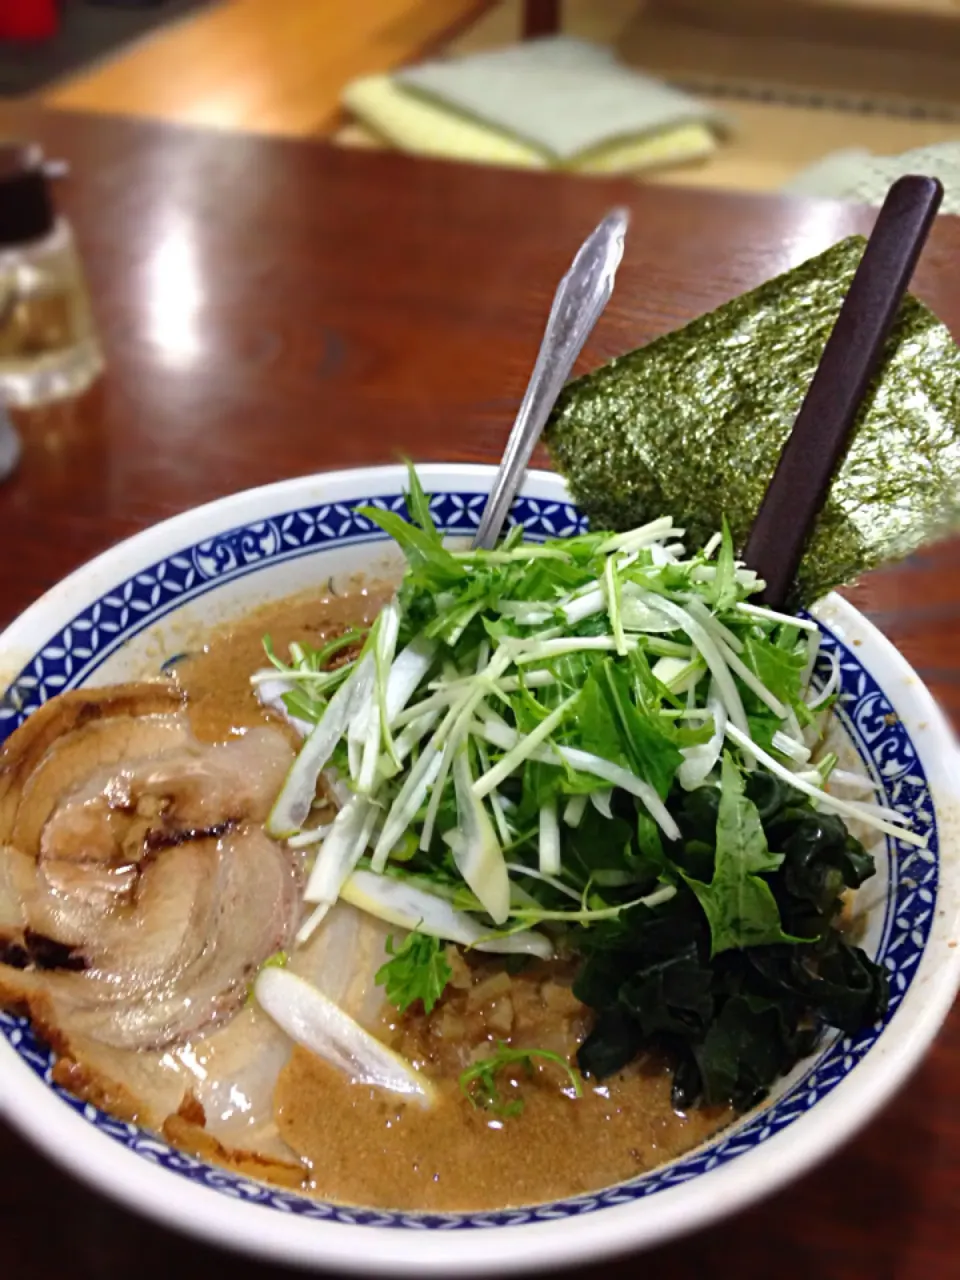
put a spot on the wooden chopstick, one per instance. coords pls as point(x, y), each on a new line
point(816, 444)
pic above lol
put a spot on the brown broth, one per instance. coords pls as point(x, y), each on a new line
point(365, 1147)
point(216, 678)
point(362, 1146)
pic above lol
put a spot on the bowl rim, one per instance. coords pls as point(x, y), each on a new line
point(32, 1108)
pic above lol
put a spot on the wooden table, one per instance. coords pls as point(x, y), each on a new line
point(269, 308)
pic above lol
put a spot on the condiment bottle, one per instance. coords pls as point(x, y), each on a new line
point(48, 343)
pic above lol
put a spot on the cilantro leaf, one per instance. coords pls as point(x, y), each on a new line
point(479, 1085)
point(418, 970)
point(763, 725)
point(599, 843)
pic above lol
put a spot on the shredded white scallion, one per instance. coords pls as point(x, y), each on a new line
point(296, 796)
point(849, 808)
point(524, 748)
point(830, 685)
point(771, 615)
point(313, 835)
point(788, 746)
point(549, 839)
point(450, 726)
point(601, 802)
point(574, 810)
point(615, 774)
point(518, 869)
point(726, 688)
point(858, 781)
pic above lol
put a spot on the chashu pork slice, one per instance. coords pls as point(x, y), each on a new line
point(138, 892)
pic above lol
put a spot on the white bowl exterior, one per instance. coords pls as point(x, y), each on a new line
point(67, 1137)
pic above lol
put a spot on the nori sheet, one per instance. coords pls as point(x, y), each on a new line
point(692, 425)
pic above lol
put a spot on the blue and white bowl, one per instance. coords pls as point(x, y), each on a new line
point(121, 615)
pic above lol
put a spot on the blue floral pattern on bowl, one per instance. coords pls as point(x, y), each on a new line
point(71, 656)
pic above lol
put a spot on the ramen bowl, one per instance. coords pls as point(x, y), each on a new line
point(123, 614)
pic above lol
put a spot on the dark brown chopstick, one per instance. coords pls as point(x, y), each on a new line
point(850, 358)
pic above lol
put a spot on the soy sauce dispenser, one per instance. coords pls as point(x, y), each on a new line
point(48, 343)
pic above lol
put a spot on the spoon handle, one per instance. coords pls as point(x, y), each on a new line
point(581, 296)
point(850, 359)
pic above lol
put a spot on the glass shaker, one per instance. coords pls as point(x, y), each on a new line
point(48, 344)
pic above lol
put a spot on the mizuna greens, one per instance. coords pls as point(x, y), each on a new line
point(479, 1082)
point(593, 747)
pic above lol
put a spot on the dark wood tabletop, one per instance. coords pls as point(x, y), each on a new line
point(271, 308)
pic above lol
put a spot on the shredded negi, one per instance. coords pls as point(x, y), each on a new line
point(593, 747)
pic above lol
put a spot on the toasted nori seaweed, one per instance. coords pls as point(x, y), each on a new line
point(692, 425)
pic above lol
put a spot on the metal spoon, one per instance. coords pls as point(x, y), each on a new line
point(581, 296)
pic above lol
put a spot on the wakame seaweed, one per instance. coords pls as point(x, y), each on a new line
point(694, 423)
point(733, 1023)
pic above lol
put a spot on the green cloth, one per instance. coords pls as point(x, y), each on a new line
point(563, 95)
point(857, 175)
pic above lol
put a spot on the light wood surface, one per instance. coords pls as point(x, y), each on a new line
point(772, 143)
point(272, 307)
point(268, 66)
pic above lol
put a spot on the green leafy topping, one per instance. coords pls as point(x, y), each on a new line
point(556, 747)
point(722, 592)
point(418, 504)
point(738, 903)
point(418, 970)
point(623, 733)
point(734, 1022)
point(479, 1082)
point(309, 672)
